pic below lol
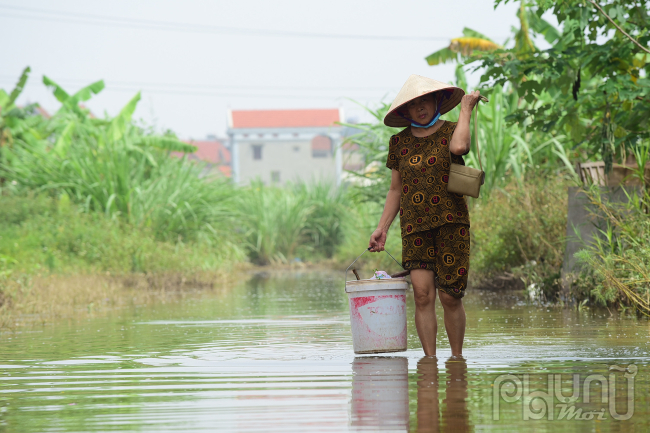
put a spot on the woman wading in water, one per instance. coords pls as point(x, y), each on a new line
point(434, 222)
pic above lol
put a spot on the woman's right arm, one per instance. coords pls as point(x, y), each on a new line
point(378, 237)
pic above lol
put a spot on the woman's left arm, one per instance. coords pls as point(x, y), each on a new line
point(460, 141)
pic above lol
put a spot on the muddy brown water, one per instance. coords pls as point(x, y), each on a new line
point(275, 354)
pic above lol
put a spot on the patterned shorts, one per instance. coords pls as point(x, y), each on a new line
point(444, 250)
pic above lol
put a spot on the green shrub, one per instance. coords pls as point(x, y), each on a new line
point(16, 209)
point(521, 228)
point(618, 261)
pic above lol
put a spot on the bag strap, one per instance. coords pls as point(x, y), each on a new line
point(478, 152)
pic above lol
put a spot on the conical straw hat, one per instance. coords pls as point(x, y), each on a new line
point(416, 86)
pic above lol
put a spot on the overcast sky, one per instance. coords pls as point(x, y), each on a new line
point(194, 59)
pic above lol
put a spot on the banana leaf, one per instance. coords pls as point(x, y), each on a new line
point(20, 85)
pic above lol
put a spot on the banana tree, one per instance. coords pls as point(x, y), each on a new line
point(529, 21)
point(462, 48)
point(74, 123)
point(472, 44)
point(18, 122)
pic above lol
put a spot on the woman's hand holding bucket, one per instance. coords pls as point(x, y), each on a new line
point(377, 241)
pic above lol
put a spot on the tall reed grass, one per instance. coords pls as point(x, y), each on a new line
point(119, 169)
point(114, 168)
point(297, 221)
point(155, 191)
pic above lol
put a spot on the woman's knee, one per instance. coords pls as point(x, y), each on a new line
point(424, 296)
point(449, 301)
point(423, 287)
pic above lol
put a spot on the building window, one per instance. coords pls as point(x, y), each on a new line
point(257, 151)
point(321, 146)
point(275, 176)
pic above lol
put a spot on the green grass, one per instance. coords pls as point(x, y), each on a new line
point(43, 235)
point(258, 223)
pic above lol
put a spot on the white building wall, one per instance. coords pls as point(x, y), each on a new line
point(285, 151)
point(291, 159)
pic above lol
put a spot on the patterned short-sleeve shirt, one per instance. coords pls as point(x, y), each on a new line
point(423, 163)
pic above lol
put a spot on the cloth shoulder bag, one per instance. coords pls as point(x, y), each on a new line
point(467, 180)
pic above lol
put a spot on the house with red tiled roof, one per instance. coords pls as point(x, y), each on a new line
point(212, 152)
point(279, 146)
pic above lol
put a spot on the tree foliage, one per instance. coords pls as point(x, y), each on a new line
point(591, 84)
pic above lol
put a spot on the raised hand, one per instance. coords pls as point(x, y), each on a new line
point(469, 101)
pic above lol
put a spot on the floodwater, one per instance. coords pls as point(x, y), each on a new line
point(275, 354)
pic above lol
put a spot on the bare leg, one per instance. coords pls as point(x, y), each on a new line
point(454, 321)
point(424, 293)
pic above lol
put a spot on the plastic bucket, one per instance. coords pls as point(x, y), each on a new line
point(378, 315)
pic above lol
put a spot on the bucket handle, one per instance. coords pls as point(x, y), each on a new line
point(365, 251)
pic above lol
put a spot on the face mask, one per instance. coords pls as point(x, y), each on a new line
point(434, 120)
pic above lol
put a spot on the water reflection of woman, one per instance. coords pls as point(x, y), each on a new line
point(380, 395)
point(455, 416)
point(428, 412)
point(434, 223)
